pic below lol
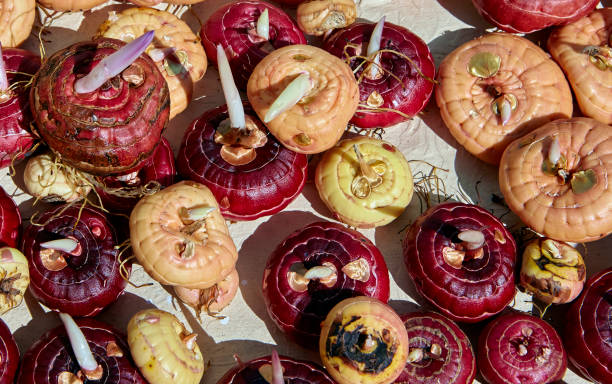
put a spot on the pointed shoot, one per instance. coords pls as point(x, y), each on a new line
point(374, 44)
point(199, 213)
point(554, 153)
point(473, 239)
point(366, 169)
point(277, 369)
point(3, 79)
point(79, 344)
point(505, 112)
point(318, 272)
point(232, 96)
point(374, 47)
point(66, 245)
point(289, 97)
point(263, 25)
point(114, 64)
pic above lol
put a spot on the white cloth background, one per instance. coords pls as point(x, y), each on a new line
point(247, 329)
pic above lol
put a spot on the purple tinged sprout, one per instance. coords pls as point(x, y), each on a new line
point(374, 47)
point(277, 369)
point(114, 64)
point(232, 96)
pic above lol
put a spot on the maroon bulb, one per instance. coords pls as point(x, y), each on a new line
point(263, 186)
point(299, 306)
point(81, 282)
point(439, 351)
point(588, 329)
point(121, 193)
point(467, 285)
point(9, 355)
point(15, 116)
point(518, 348)
point(399, 87)
point(234, 25)
point(526, 16)
point(10, 221)
point(52, 356)
point(294, 372)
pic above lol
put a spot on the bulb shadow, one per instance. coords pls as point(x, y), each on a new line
point(254, 254)
point(202, 11)
point(54, 39)
point(121, 311)
point(448, 41)
point(403, 307)
point(220, 356)
point(117, 315)
point(432, 119)
point(41, 322)
point(466, 13)
point(389, 239)
point(96, 18)
point(311, 194)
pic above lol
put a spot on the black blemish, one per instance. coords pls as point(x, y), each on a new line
point(252, 376)
point(450, 232)
point(441, 227)
point(543, 261)
point(347, 347)
point(496, 199)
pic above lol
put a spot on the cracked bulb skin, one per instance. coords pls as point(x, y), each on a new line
point(112, 130)
point(14, 278)
point(363, 341)
point(121, 193)
point(554, 272)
